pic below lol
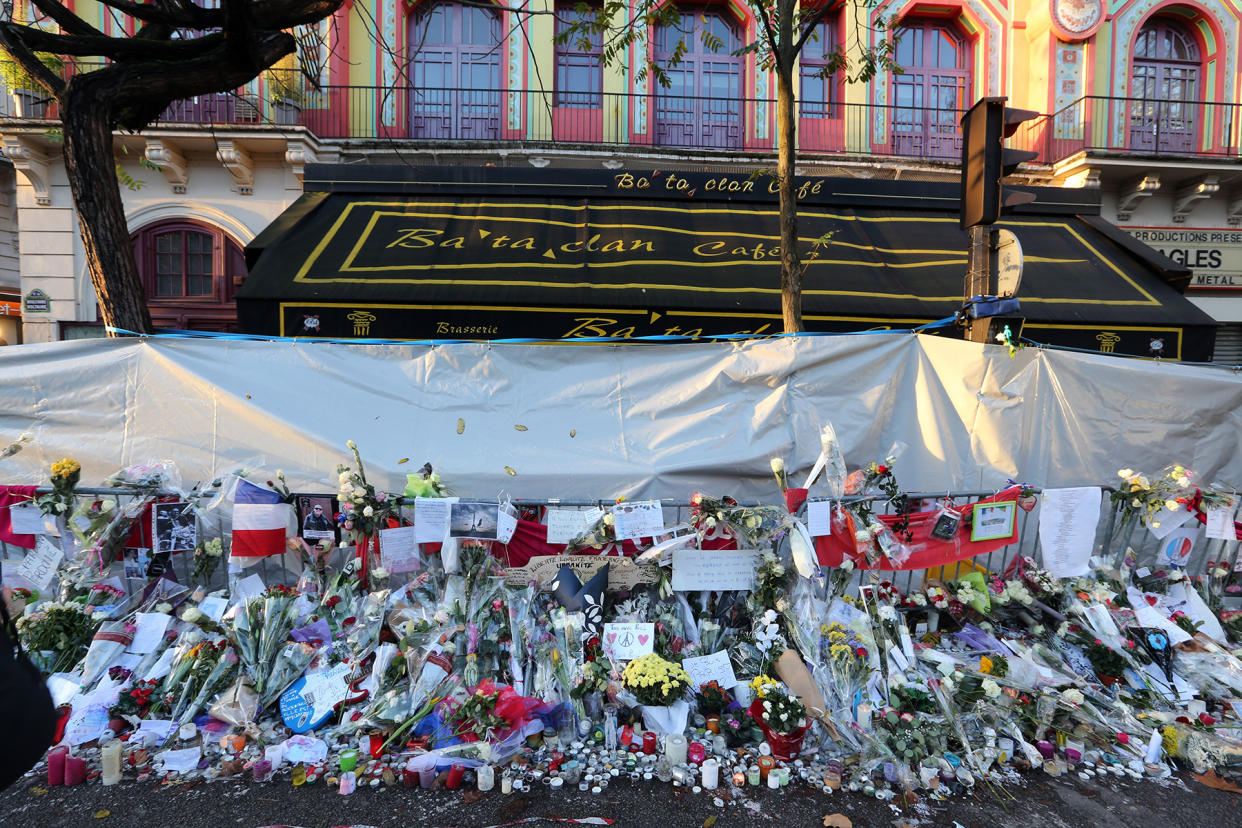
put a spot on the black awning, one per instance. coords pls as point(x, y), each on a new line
point(469, 262)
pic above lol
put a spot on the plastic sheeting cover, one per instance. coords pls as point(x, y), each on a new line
point(609, 420)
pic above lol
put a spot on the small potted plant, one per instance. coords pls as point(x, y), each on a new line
point(712, 700)
point(29, 98)
point(286, 95)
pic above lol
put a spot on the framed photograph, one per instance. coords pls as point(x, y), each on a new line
point(176, 528)
point(993, 521)
point(316, 517)
point(473, 519)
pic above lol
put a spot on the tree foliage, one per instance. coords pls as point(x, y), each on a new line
point(181, 48)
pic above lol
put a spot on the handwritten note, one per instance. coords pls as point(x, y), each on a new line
point(26, 519)
point(819, 518)
point(722, 569)
point(86, 725)
point(249, 587)
point(1149, 616)
point(399, 549)
point(627, 641)
point(506, 525)
point(566, 524)
point(638, 519)
point(39, 565)
point(715, 667)
point(213, 606)
point(1067, 521)
point(431, 518)
point(1220, 523)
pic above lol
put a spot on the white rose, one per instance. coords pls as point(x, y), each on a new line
point(778, 465)
point(163, 607)
point(368, 512)
point(351, 445)
point(1125, 473)
point(990, 688)
point(1073, 696)
point(609, 519)
point(379, 572)
point(847, 565)
point(1177, 575)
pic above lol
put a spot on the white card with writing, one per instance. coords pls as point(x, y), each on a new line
point(213, 606)
point(715, 667)
point(249, 587)
point(39, 565)
point(638, 519)
point(1220, 523)
point(431, 518)
point(181, 760)
point(566, 524)
point(150, 629)
point(506, 525)
point(399, 549)
point(819, 518)
point(26, 519)
point(628, 641)
point(1067, 521)
point(722, 569)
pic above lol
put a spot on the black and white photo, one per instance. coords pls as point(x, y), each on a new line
point(176, 529)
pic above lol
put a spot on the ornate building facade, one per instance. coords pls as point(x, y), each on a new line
point(1138, 100)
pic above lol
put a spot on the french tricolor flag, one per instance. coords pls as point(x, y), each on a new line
point(260, 521)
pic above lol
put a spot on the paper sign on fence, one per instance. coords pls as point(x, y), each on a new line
point(819, 518)
point(627, 641)
point(399, 549)
point(431, 518)
point(39, 565)
point(1220, 523)
point(566, 524)
point(722, 569)
point(26, 519)
point(1067, 520)
point(714, 667)
point(638, 519)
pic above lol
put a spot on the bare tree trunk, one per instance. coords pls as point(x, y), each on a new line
point(91, 170)
point(791, 262)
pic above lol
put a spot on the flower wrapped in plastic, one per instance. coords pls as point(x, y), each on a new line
point(217, 673)
point(291, 661)
point(109, 641)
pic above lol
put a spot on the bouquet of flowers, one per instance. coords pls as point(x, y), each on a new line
point(65, 476)
point(206, 558)
point(712, 699)
point(185, 650)
point(109, 642)
point(778, 710)
point(291, 661)
point(212, 674)
point(749, 524)
point(56, 634)
point(654, 681)
point(135, 701)
point(201, 663)
point(366, 508)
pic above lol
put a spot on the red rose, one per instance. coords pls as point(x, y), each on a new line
point(349, 621)
point(1206, 720)
point(1123, 738)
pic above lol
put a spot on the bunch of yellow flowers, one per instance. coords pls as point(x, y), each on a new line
point(761, 684)
point(654, 680)
point(65, 468)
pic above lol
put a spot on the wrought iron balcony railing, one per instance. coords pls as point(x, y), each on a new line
point(1135, 126)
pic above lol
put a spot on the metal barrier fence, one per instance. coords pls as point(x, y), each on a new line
point(1108, 540)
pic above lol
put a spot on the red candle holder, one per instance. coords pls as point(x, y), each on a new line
point(649, 742)
point(454, 777)
point(75, 770)
point(696, 753)
point(56, 766)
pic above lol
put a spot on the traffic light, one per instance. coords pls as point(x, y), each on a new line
point(985, 161)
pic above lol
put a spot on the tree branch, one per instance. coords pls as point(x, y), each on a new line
point(285, 14)
point(66, 19)
point(11, 40)
point(810, 22)
point(117, 48)
point(198, 19)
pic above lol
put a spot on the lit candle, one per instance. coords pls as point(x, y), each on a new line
point(486, 777)
point(75, 770)
point(696, 753)
point(110, 759)
point(649, 742)
point(56, 767)
point(349, 760)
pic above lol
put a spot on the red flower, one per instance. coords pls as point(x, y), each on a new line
point(332, 601)
point(349, 621)
point(881, 469)
point(1206, 720)
point(1123, 738)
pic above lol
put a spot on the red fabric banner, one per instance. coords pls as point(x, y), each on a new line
point(12, 496)
point(530, 540)
point(928, 552)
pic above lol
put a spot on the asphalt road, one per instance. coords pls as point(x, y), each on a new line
point(1030, 800)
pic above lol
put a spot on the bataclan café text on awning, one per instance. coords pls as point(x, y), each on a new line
point(398, 252)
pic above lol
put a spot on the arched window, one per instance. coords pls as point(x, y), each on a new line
point(933, 90)
point(455, 70)
point(189, 273)
point(702, 106)
point(1166, 71)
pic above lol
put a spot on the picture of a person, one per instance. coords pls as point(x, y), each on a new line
point(316, 520)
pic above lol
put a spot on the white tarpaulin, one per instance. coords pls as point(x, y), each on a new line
point(608, 420)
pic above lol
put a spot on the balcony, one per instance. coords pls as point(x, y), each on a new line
point(1135, 127)
point(441, 116)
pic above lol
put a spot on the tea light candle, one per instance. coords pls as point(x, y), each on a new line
point(506, 784)
point(675, 748)
point(75, 770)
point(696, 753)
point(766, 763)
point(56, 767)
point(110, 759)
point(773, 781)
point(752, 775)
point(739, 778)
